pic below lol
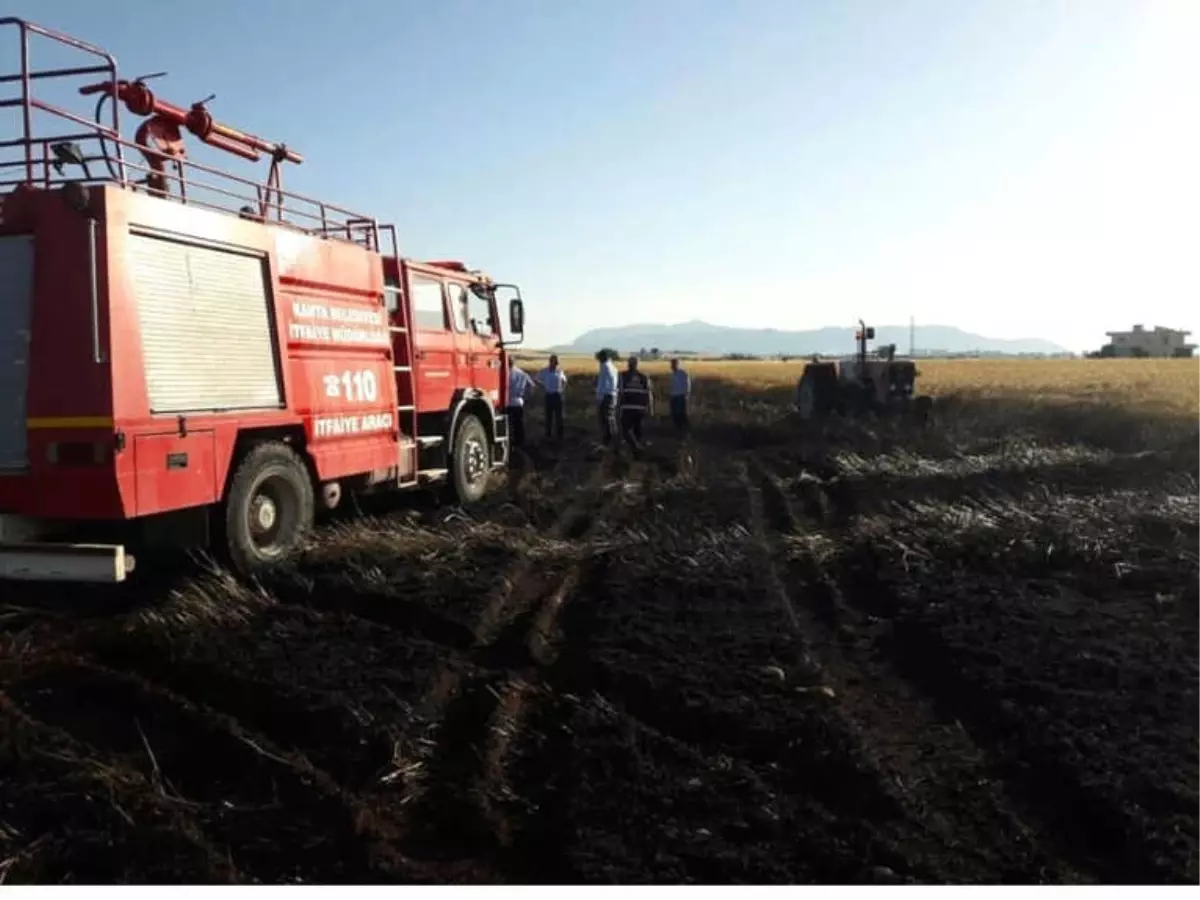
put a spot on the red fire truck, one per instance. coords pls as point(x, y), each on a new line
point(189, 356)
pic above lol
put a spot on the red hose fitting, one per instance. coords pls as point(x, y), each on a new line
point(199, 121)
point(138, 98)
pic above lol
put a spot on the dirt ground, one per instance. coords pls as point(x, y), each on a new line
point(871, 654)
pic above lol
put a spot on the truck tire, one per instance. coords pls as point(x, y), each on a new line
point(470, 461)
point(268, 510)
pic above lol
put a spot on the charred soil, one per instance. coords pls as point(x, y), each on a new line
point(965, 653)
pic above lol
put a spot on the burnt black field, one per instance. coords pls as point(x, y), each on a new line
point(875, 653)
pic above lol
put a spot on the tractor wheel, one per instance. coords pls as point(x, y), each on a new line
point(815, 394)
point(268, 510)
point(471, 461)
point(922, 407)
point(806, 398)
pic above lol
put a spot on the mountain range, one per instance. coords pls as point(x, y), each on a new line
point(719, 340)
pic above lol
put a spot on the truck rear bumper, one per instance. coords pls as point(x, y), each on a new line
point(95, 563)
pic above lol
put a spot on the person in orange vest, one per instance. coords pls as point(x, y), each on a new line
point(634, 399)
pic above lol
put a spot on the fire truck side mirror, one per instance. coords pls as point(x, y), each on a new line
point(516, 311)
point(870, 333)
point(516, 316)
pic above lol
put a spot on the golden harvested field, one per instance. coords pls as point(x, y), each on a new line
point(1162, 384)
point(860, 652)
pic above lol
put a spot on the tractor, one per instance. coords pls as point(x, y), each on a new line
point(876, 382)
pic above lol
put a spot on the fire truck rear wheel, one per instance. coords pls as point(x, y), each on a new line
point(471, 463)
point(268, 510)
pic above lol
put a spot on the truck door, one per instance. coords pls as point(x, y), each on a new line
point(456, 298)
point(484, 351)
point(433, 343)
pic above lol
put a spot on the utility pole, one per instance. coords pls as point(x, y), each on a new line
point(912, 335)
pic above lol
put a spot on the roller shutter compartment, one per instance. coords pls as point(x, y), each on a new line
point(16, 298)
point(207, 333)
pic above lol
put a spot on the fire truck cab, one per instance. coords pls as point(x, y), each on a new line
point(192, 357)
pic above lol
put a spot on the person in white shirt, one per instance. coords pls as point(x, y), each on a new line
point(520, 386)
point(606, 397)
point(680, 390)
point(554, 384)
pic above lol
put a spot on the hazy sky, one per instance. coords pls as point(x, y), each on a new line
point(1014, 167)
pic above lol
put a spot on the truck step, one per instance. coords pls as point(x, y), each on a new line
point(95, 563)
point(430, 440)
point(429, 476)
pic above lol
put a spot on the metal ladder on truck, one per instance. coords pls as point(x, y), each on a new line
point(402, 354)
point(406, 388)
point(406, 398)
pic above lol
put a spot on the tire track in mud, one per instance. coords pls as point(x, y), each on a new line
point(538, 848)
point(865, 790)
point(975, 830)
point(498, 804)
point(622, 681)
point(1094, 834)
point(541, 827)
point(597, 694)
point(418, 787)
point(292, 727)
point(556, 650)
point(460, 810)
point(1090, 830)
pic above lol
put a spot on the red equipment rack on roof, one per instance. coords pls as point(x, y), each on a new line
point(164, 168)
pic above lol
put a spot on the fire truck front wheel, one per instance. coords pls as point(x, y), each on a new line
point(471, 463)
point(268, 510)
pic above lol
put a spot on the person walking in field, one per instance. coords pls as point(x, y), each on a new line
point(520, 386)
point(606, 397)
point(679, 392)
point(554, 384)
point(636, 400)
